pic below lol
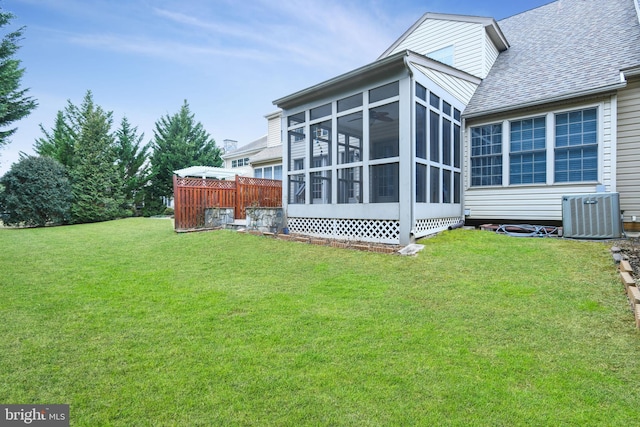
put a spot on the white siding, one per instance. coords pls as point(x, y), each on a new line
point(273, 131)
point(628, 153)
point(535, 202)
point(461, 89)
point(467, 39)
point(490, 55)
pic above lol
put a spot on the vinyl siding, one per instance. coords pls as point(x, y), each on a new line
point(628, 153)
point(462, 90)
point(535, 202)
point(467, 39)
point(273, 132)
point(490, 54)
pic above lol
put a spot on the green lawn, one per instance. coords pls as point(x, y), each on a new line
point(132, 324)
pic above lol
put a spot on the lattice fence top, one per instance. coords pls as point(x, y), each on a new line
point(262, 182)
point(209, 183)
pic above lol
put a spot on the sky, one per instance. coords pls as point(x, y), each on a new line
point(229, 59)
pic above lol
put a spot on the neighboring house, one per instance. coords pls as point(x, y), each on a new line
point(261, 158)
point(466, 115)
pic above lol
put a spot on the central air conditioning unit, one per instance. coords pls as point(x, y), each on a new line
point(592, 216)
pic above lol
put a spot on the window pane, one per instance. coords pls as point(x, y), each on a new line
point(434, 136)
point(421, 183)
point(486, 155)
point(434, 194)
point(446, 186)
point(576, 154)
point(297, 149)
point(456, 146)
point(421, 131)
point(321, 187)
point(528, 163)
point(350, 138)
point(277, 172)
point(384, 183)
point(446, 108)
point(268, 173)
point(384, 131)
point(421, 92)
point(257, 173)
point(296, 189)
point(321, 144)
point(456, 187)
point(446, 142)
point(434, 100)
point(350, 185)
point(319, 112)
point(384, 92)
point(296, 119)
point(350, 102)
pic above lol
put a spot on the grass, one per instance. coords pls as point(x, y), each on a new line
point(132, 324)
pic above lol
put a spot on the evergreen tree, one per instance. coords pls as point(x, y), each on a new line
point(96, 184)
point(133, 166)
point(179, 142)
point(58, 143)
point(14, 102)
point(36, 192)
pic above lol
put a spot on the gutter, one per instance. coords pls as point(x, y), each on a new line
point(573, 95)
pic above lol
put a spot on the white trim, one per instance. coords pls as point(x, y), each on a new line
point(614, 142)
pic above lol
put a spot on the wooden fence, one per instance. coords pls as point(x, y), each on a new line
point(193, 195)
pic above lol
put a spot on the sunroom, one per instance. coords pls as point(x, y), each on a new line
point(375, 154)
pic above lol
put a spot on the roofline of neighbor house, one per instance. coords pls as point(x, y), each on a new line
point(490, 25)
point(581, 94)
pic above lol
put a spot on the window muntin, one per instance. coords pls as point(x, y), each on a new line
point(321, 144)
point(384, 131)
point(350, 138)
point(576, 146)
point(350, 185)
point(353, 101)
point(384, 183)
point(528, 154)
point(486, 155)
point(240, 162)
point(383, 92)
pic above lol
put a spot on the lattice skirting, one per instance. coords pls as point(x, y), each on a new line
point(365, 230)
point(424, 227)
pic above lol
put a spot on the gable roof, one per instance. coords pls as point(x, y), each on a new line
point(562, 50)
point(490, 25)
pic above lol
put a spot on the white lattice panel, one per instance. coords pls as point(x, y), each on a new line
point(424, 227)
point(366, 230)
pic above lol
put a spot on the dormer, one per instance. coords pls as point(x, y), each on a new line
point(468, 43)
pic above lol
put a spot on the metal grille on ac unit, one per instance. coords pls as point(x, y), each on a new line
point(591, 216)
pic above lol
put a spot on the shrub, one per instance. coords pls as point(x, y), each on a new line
point(36, 192)
point(168, 211)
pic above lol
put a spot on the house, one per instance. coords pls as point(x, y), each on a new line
point(467, 117)
point(261, 158)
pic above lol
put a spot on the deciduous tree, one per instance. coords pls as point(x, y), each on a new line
point(36, 192)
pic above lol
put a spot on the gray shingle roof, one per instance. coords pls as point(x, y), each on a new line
point(565, 48)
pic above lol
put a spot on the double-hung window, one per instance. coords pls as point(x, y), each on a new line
point(528, 154)
point(486, 155)
point(576, 150)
